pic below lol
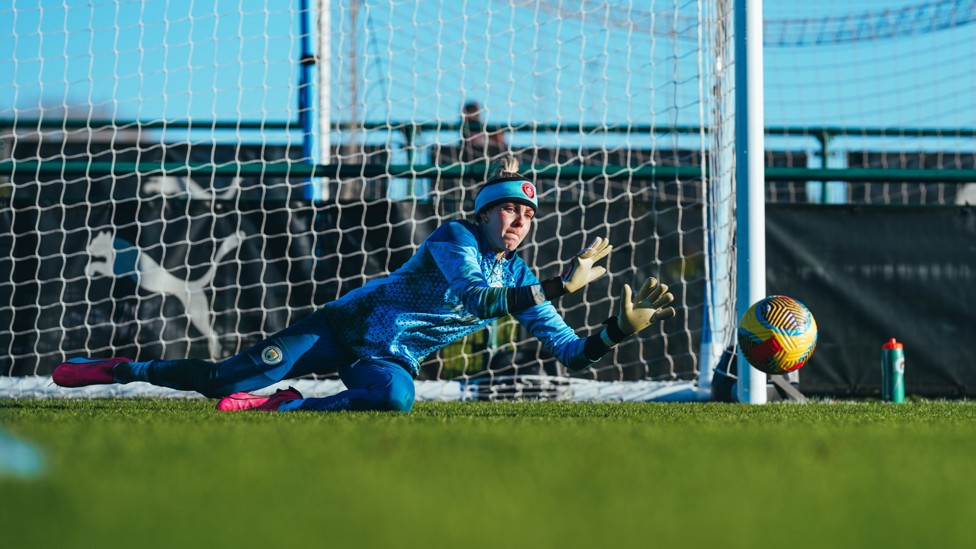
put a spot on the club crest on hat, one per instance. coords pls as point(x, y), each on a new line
point(528, 189)
point(272, 355)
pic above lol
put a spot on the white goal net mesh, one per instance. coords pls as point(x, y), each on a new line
point(158, 198)
point(867, 86)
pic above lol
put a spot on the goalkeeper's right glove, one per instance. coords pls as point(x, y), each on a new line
point(633, 316)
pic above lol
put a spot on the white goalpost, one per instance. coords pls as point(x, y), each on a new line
point(750, 181)
point(157, 158)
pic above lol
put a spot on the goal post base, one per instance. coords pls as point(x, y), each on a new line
point(778, 389)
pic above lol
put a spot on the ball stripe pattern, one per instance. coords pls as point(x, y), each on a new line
point(777, 334)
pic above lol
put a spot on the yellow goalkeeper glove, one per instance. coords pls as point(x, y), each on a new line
point(581, 270)
point(650, 306)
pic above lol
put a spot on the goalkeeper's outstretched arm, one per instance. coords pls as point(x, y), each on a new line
point(635, 314)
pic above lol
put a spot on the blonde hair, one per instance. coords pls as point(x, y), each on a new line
point(508, 168)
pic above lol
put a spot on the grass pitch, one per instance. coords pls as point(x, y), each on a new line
point(176, 473)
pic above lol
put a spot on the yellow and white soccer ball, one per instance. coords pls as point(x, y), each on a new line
point(777, 334)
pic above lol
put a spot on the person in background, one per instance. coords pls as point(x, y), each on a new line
point(473, 130)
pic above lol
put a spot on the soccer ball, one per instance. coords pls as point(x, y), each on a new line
point(777, 334)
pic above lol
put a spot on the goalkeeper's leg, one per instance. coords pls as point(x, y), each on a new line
point(303, 348)
point(371, 385)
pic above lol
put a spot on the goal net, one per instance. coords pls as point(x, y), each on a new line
point(183, 179)
point(881, 90)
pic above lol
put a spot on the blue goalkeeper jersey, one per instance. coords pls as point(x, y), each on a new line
point(453, 286)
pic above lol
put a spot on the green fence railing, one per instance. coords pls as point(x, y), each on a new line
point(11, 168)
point(411, 130)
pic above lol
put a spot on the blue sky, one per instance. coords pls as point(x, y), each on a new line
point(615, 64)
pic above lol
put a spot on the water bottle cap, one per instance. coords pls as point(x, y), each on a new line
point(892, 344)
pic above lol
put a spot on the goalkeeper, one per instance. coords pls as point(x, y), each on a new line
point(464, 276)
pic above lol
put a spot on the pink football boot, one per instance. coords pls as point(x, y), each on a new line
point(265, 403)
point(79, 372)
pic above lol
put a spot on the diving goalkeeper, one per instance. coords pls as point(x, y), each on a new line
point(464, 276)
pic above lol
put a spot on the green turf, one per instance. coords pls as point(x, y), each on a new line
point(176, 473)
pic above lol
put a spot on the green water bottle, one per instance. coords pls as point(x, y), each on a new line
point(892, 372)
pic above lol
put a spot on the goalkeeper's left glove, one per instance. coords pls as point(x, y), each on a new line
point(634, 315)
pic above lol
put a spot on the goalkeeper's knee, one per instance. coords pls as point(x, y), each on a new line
point(397, 396)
